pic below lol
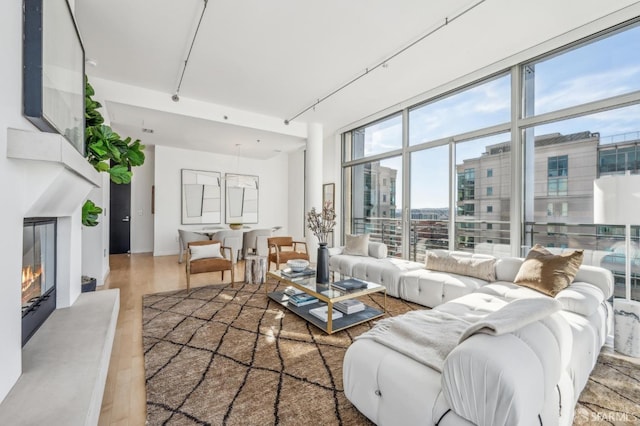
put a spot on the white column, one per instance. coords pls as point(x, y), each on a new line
point(313, 173)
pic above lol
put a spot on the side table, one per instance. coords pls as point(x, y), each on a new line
point(255, 269)
point(627, 327)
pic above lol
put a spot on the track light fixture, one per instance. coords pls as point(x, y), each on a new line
point(385, 62)
point(176, 97)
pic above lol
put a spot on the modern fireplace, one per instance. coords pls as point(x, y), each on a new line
point(38, 274)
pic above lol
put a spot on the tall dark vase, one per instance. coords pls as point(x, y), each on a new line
point(322, 267)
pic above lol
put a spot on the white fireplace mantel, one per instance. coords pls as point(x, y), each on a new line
point(57, 178)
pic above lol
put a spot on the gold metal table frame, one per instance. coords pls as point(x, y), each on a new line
point(326, 293)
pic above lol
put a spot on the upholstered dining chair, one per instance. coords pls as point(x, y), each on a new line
point(283, 249)
point(230, 238)
point(208, 256)
point(255, 242)
point(185, 237)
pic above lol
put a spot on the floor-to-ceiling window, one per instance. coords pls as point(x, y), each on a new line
point(429, 201)
point(475, 156)
point(375, 182)
point(460, 128)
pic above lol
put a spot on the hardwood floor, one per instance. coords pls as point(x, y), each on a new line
point(124, 401)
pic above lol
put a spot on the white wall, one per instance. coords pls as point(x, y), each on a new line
point(273, 191)
point(141, 217)
point(10, 214)
point(16, 199)
point(95, 239)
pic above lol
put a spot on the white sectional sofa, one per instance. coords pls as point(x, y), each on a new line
point(406, 279)
point(528, 376)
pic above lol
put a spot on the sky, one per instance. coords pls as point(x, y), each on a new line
point(601, 69)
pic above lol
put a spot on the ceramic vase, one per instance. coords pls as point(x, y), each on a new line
point(322, 267)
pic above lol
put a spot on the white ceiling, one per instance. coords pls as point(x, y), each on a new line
point(278, 57)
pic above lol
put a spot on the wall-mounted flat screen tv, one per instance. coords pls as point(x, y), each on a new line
point(53, 74)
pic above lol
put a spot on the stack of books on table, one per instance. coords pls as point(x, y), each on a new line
point(290, 291)
point(288, 273)
point(302, 299)
point(350, 306)
point(322, 313)
point(350, 284)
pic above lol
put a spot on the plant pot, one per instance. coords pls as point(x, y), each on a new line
point(88, 284)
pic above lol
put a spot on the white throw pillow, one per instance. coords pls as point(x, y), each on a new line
point(205, 251)
point(357, 245)
point(378, 250)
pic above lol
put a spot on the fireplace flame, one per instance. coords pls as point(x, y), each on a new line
point(31, 279)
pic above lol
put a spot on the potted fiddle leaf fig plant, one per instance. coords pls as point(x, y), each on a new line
point(107, 152)
point(90, 213)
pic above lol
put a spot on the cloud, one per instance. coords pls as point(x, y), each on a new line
point(472, 109)
point(585, 88)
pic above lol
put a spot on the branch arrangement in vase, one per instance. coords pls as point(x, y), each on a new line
point(321, 223)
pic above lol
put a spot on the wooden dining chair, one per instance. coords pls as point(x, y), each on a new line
point(207, 256)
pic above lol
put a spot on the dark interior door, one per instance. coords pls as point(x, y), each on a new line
point(120, 217)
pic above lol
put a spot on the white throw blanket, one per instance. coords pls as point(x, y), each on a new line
point(513, 316)
point(426, 336)
point(429, 336)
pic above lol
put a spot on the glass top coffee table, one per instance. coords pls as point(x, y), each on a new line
point(327, 295)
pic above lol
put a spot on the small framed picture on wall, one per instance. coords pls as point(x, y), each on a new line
point(329, 196)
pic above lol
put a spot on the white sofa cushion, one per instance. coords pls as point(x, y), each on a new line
point(432, 288)
point(484, 381)
point(581, 298)
point(385, 272)
point(600, 277)
point(507, 268)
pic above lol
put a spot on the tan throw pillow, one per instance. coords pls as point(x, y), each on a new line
point(357, 245)
point(482, 268)
point(548, 273)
